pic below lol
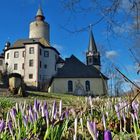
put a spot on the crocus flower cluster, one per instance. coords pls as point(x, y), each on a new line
point(96, 118)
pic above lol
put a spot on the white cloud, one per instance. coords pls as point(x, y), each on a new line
point(126, 5)
point(58, 47)
point(124, 28)
point(111, 54)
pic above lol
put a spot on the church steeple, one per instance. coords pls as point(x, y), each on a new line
point(92, 45)
point(92, 55)
point(39, 15)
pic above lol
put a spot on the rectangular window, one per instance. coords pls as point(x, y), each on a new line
point(87, 85)
point(23, 54)
point(31, 50)
point(7, 55)
point(31, 63)
point(30, 76)
point(40, 52)
point(70, 86)
point(90, 60)
point(45, 66)
point(40, 64)
point(46, 53)
point(15, 66)
point(56, 58)
point(23, 66)
point(16, 54)
point(1, 62)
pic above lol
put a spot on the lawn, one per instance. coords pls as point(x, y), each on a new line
point(68, 100)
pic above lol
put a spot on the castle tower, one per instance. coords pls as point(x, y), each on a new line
point(39, 28)
point(92, 55)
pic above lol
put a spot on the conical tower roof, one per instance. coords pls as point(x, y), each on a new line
point(40, 14)
point(92, 45)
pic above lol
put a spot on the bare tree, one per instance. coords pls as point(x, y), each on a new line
point(123, 15)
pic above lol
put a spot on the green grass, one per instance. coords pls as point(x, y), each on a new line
point(68, 100)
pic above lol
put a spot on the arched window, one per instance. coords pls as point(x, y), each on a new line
point(70, 86)
point(87, 85)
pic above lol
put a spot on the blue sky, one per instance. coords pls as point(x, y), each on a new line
point(16, 16)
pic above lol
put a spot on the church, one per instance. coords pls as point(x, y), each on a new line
point(42, 67)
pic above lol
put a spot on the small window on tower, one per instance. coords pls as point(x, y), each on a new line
point(15, 66)
point(1, 62)
point(56, 58)
point(40, 64)
point(31, 50)
point(90, 60)
point(46, 53)
point(40, 52)
point(23, 54)
point(16, 54)
point(7, 55)
point(31, 63)
point(30, 76)
point(45, 66)
point(23, 66)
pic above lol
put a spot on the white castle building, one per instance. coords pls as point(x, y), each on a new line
point(41, 66)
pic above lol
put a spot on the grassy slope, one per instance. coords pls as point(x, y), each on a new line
point(68, 100)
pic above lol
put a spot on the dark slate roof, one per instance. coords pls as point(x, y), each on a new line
point(74, 68)
point(60, 60)
point(2, 55)
point(22, 42)
point(92, 45)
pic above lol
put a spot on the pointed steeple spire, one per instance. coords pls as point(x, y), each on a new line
point(92, 45)
point(39, 15)
point(92, 55)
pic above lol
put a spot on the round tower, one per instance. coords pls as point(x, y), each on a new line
point(39, 28)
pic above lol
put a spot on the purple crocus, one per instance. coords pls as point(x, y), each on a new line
point(42, 111)
point(31, 115)
point(117, 111)
point(2, 125)
point(60, 108)
point(54, 110)
point(67, 114)
point(13, 113)
point(47, 117)
point(31, 118)
point(35, 116)
point(25, 120)
point(36, 105)
point(75, 129)
point(45, 105)
point(10, 127)
point(92, 129)
point(107, 135)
